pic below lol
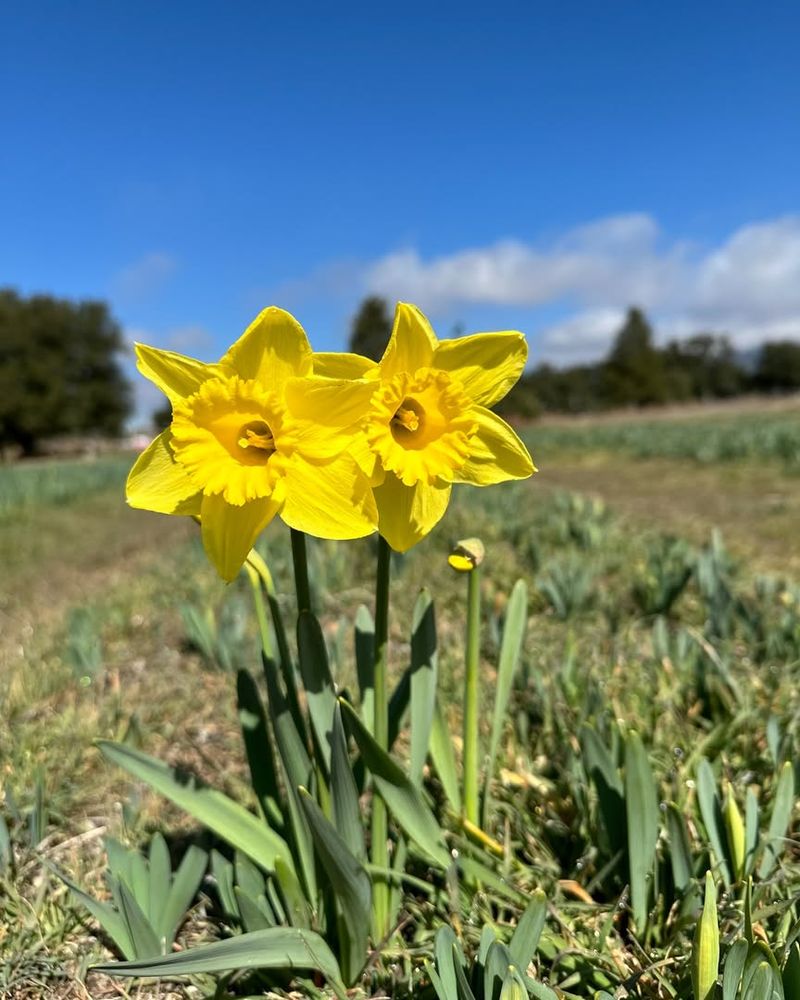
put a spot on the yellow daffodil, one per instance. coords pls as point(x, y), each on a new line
point(428, 424)
point(238, 452)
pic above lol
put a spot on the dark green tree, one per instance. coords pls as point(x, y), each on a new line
point(634, 374)
point(703, 366)
point(371, 328)
point(59, 370)
point(778, 368)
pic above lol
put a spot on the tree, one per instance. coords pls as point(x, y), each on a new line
point(703, 367)
point(634, 372)
point(59, 370)
point(371, 328)
point(778, 368)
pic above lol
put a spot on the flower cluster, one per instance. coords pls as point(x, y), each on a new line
point(335, 444)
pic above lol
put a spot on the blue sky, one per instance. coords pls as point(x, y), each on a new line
point(536, 165)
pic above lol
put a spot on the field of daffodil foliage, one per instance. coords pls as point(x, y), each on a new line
point(536, 739)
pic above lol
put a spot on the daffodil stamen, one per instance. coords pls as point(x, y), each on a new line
point(258, 435)
point(408, 418)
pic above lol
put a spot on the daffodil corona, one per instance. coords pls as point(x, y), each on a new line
point(427, 423)
point(238, 452)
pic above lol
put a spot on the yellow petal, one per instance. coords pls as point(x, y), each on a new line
point(330, 500)
point(486, 364)
point(230, 532)
point(157, 482)
point(175, 375)
point(496, 453)
point(407, 513)
point(411, 345)
point(336, 365)
point(272, 349)
point(326, 413)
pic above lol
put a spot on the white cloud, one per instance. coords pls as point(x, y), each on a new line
point(620, 254)
point(144, 277)
point(748, 286)
point(581, 337)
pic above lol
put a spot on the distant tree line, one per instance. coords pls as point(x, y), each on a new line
point(60, 370)
point(635, 373)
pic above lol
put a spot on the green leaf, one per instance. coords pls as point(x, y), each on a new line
point(296, 771)
point(258, 747)
point(181, 893)
point(679, 849)
point(498, 960)
point(160, 875)
point(525, 939)
point(762, 985)
point(347, 816)
point(284, 948)
point(143, 937)
point(350, 883)
point(226, 818)
point(711, 812)
point(423, 682)
point(109, 919)
point(734, 966)
point(318, 682)
point(253, 917)
point(705, 951)
point(791, 973)
point(444, 950)
point(750, 830)
point(779, 821)
point(603, 771)
point(444, 758)
point(365, 663)
point(222, 871)
point(403, 799)
point(510, 649)
point(464, 988)
point(642, 814)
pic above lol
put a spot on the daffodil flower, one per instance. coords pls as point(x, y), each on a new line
point(428, 425)
point(237, 453)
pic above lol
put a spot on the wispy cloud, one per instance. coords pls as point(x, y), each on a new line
point(144, 278)
point(748, 286)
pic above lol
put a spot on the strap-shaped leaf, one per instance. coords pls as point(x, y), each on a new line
point(422, 682)
point(318, 682)
point(444, 758)
point(284, 948)
point(143, 937)
point(525, 939)
point(160, 875)
point(779, 821)
point(344, 794)
point(181, 893)
point(222, 815)
point(404, 800)
point(258, 747)
point(508, 663)
point(642, 815)
point(350, 883)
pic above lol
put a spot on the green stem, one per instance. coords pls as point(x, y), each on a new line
point(471, 695)
point(300, 560)
point(380, 829)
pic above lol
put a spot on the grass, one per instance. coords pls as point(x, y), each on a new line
point(97, 642)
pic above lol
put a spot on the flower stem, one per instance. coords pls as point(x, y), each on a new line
point(380, 852)
point(471, 695)
point(300, 560)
